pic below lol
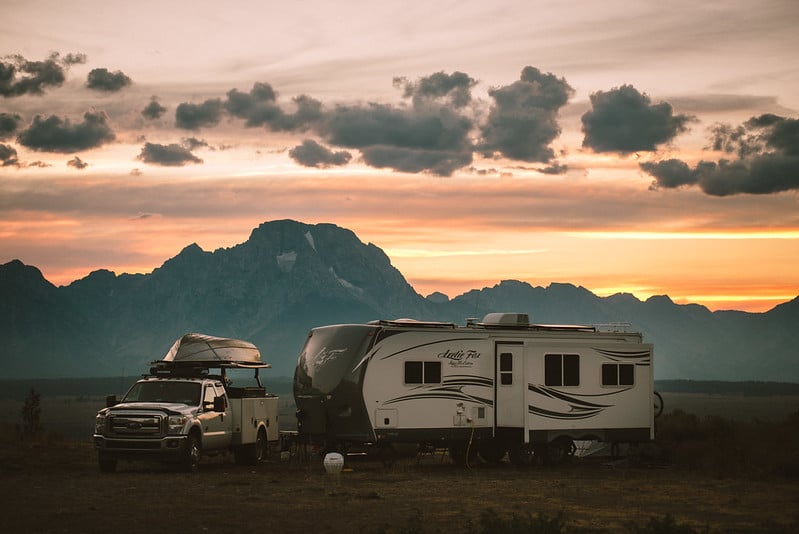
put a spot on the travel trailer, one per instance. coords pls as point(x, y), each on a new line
point(494, 387)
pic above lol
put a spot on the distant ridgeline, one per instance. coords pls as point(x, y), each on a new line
point(289, 277)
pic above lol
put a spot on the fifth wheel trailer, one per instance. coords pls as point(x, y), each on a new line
point(501, 385)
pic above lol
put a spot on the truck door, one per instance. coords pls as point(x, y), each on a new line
point(509, 386)
point(217, 426)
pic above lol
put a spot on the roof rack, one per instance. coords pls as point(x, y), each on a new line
point(413, 323)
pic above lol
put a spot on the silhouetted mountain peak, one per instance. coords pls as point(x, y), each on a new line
point(16, 276)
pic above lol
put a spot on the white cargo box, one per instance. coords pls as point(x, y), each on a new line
point(248, 413)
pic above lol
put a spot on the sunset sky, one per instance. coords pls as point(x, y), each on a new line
point(647, 147)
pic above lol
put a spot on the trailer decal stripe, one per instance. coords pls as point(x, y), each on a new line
point(549, 414)
point(453, 394)
point(618, 355)
point(572, 399)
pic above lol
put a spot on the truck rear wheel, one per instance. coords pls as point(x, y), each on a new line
point(252, 453)
point(259, 448)
point(107, 463)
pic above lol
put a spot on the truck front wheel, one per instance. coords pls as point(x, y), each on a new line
point(191, 454)
point(107, 463)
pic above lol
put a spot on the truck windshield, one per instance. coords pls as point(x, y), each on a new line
point(165, 391)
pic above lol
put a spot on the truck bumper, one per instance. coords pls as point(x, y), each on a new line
point(141, 448)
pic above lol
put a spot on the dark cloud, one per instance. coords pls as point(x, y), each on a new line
point(54, 134)
point(555, 168)
point(102, 79)
point(73, 59)
point(40, 164)
point(307, 113)
point(195, 116)
point(19, 76)
point(767, 148)
point(455, 88)
point(259, 107)
point(625, 121)
point(172, 155)
point(522, 122)
point(8, 156)
point(431, 139)
point(415, 160)
point(312, 154)
point(192, 143)
point(8, 124)
point(153, 110)
point(77, 163)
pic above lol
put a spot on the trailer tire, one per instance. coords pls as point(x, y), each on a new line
point(520, 455)
point(191, 453)
point(560, 451)
point(491, 451)
point(107, 463)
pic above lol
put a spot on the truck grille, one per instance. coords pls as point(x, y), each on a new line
point(136, 425)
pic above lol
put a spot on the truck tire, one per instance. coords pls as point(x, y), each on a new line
point(191, 453)
point(252, 453)
point(107, 463)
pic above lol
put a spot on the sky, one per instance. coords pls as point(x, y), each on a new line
point(646, 147)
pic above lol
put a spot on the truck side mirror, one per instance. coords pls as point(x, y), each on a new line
point(111, 400)
point(219, 404)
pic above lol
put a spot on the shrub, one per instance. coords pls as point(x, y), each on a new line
point(722, 446)
point(30, 415)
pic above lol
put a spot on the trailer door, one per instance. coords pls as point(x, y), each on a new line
point(509, 385)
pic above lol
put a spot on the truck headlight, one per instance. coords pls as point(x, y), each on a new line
point(176, 423)
point(99, 423)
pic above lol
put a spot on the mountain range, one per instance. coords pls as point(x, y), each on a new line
point(289, 277)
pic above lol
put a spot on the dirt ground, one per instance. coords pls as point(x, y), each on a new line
point(56, 487)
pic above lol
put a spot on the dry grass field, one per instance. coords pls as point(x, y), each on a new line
point(724, 471)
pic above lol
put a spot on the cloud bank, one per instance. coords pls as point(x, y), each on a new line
point(436, 128)
point(766, 150)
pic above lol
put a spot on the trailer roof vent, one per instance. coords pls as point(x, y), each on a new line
point(506, 319)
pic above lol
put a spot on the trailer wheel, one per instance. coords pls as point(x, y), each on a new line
point(491, 451)
point(191, 454)
point(520, 455)
point(107, 463)
point(658, 404)
point(560, 451)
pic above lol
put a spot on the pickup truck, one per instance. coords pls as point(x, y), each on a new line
point(181, 411)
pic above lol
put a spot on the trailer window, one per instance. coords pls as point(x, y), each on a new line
point(506, 369)
point(562, 369)
point(422, 372)
point(618, 374)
